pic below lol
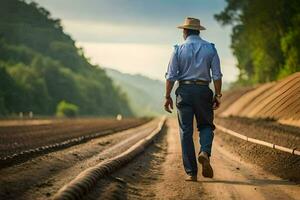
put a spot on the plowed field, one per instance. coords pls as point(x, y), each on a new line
point(16, 138)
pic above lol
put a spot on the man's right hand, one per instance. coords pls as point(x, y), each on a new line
point(216, 102)
point(168, 104)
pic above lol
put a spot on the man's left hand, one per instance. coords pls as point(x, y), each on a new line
point(216, 102)
point(168, 104)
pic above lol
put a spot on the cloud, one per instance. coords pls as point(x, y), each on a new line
point(133, 11)
point(91, 31)
point(147, 59)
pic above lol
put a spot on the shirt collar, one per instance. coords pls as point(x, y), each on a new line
point(192, 38)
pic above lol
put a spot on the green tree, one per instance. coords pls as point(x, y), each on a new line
point(65, 109)
point(34, 95)
point(264, 37)
point(8, 93)
point(291, 49)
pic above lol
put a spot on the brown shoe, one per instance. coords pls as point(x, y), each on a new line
point(207, 170)
point(191, 178)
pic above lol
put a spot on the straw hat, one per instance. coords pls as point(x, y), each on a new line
point(191, 23)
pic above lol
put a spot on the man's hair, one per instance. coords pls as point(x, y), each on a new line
point(192, 32)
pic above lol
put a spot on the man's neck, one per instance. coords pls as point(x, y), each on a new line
point(193, 37)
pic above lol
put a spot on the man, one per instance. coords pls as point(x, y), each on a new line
point(190, 65)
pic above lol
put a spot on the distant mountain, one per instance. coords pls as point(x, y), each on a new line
point(145, 95)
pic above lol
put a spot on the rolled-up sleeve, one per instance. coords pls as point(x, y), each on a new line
point(172, 71)
point(215, 66)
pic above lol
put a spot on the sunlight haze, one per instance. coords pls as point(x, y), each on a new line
point(138, 36)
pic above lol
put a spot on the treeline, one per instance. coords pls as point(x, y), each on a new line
point(265, 38)
point(41, 68)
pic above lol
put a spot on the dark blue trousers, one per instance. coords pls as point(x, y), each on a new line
point(194, 100)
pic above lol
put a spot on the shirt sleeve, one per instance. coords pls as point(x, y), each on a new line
point(215, 65)
point(172, 71)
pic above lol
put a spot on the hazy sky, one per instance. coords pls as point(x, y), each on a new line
point(137, 36)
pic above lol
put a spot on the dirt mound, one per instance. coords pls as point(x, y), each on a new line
point(231, 96)
point(276, 100)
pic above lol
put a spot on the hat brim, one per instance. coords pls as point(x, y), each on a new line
point(198, 28)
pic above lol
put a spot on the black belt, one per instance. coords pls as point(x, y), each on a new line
point(198, 82)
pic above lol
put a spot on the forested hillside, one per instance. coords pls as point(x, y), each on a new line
point(145, 94)
point(40, 66)
point(265, 38)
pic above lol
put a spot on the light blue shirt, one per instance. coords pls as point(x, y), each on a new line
point(195, 59)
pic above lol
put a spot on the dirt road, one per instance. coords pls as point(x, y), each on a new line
point(233, 179)
point(155, 174)
point(164, 178)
